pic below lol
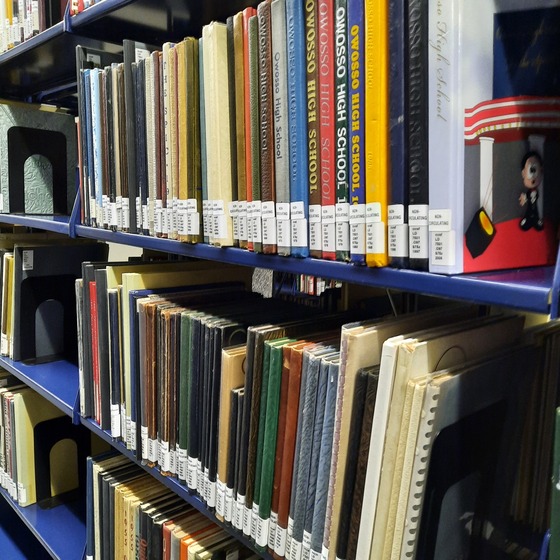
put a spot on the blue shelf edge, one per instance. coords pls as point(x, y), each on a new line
point(523, 289)
point(57, 224)
point(56, 381)
point(60, 529)
point(173, 484)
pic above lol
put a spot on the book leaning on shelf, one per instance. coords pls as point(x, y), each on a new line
point(493, 135)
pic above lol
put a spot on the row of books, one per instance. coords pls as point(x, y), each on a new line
point(40, 448)
point(314, 129)
point(262, 411)
point(131, 515)
point(22, 20)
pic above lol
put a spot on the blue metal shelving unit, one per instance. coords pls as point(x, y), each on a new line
point(44, 67)
point(61, 530)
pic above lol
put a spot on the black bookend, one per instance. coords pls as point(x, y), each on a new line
point(47, 435)
point(24, 143)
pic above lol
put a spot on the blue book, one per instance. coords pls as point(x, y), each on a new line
point(356, 95)
point(96, 130)
point(89, 143)
point(304, 443)
point(318, 425)
point(297, 114)
point(323, 474)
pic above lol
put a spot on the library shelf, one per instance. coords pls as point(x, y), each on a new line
point(533, 289)
point(57, 381)
point(56, 224)
point(173, 484)
point(61, 530)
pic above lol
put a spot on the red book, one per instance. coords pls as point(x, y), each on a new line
point(327, 118)
point(94, 351)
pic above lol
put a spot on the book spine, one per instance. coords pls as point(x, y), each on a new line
point(241, 137)
point(313, 127)
point(281, 127)
point(356, 92)
point(268, 188)
point(96, 127)
point(417, 114)
point(254, 209)
point(206, 218)
point(168, 122)
point(327, 130)
point(397, 234)
point(297, 119)
point(194, 189)
point(376, 110)
point(233, 128)
point(94, 351)
point(245, 220)
point(445, 140)
point(342, 132)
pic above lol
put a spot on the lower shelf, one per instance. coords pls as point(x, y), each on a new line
point(59, 532)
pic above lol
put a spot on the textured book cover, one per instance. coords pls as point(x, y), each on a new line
point(356, 94)
point(271, 427)
point(376, 132)
point(416, 34)
point(398, 19)
point(281, 127)
point(254, 208)
point(297, 119)
point(355, 460)
point(494, 138)
point(267, 131)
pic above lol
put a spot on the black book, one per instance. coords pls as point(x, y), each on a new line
point(417, 114)
point(133, 51)
point(102, 347)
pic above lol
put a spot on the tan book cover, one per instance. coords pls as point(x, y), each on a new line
point(218, 133)
point(232, 377)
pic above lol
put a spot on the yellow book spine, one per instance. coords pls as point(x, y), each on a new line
point(376, 130)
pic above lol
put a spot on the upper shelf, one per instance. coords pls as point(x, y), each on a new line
point(46, 64)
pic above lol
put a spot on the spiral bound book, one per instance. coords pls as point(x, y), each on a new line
point(468, 440)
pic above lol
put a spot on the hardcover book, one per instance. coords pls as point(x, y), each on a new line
point(493, 135)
